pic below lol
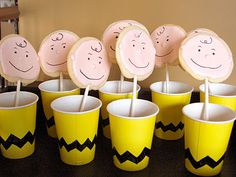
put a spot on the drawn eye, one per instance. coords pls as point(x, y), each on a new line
point(199, 50)
point(143, 48)
point(15, 52)
point(64, 46)
point(88, 58)
point(167, 40)
point(213, 53)
point(51, 48)
point(27, 55)
point(133, 45)
point(116, 37)
point(157, 42)
point(99, 62)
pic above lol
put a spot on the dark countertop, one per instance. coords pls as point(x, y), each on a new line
point(167, 157)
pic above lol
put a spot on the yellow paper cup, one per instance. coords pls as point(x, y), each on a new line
point(109, 93)
point(206, 141)
point(17, 124)
point(222, 94)
point(169, 124)
point(76, 131)
point(50, 91)
point(131, 137)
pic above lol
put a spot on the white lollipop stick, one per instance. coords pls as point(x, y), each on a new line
point(206, 103)
point(61, 82)
point(167, 79)
point(134, 97)
point(120, 87)
point(17, 93)
point(84, 99)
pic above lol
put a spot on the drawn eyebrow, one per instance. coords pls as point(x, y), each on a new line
point(213, 49)
point(63, 43)
point(100, 57)
point(16, 48)
point(200, 46)
point(143, 42)
point(133, 40)
point(116, 32)
point(52, 45)
point(168, 36)
point(90, 54)
point(27, 51)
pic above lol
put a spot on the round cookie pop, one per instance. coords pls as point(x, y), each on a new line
point(135, 56)
point(111, 35)
point(19, 61)
point(54, 50)
point(206, 55)
point(88, 65)
point(167, 40)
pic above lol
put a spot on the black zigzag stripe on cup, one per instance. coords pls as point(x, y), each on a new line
point(130, 157)
point(170, 126)
point(204, 161)
point(76, 145)
point(14, 140)
point(105, 122)
point(50, 122)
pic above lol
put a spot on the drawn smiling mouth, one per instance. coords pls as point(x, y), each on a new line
point(165, 54)
point(207, 67)
point(50, 64)
point(112, 48)
point(24, 71)
point(138, 66)
point(90, 78)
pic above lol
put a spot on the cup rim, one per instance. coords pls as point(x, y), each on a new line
point(134, 117)
point(112, 93)
point(40, 86)
point(52, 105)
point(221, 84)
point(209, 121)
point(36, 98)
point(173, 94)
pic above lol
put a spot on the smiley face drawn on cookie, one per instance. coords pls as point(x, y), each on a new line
point(135, 53)
point(205, 55)
point(111, 35)
point(88, 63)
point(167, 39)
point(19, 60)
point(54, 50)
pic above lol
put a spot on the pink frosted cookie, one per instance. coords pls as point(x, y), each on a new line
point(18, 60)
point(135, 53)
point(54, 50)
point(88, 63)
point(206, 55)
point(111, 34)
point(167, 40)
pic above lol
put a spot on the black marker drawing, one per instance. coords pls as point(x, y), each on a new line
point(22, 45)
point(97, 49)
point(206, 41)
point(59, 37)
point(161, 31)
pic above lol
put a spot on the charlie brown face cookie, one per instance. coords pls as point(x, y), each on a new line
point(54, 50)
point(111, 35)
point(205, 55)
point(167, 40)
point(135, 53)
point(88, 63)
point(18, 59)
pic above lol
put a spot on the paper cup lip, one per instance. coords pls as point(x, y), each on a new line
point(54, 105)
point(187, 89)
point(153, 113)
point(42, 85)
point(35, 99)
point(199, 106)
point(223, 94)
point(104, 91)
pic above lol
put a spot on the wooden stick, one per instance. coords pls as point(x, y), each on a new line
point(84, 99)
point(167, 79)
point(61, 82)
point(132, 107)
point(17, 93)
point(120, 86)
point(206, 103)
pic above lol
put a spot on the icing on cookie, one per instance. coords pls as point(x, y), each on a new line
point(205, 55)
point(111, 35)
point(54, 50)
point(88, 63)
point(167, 40)
point(135, 53)
point(19, 60)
